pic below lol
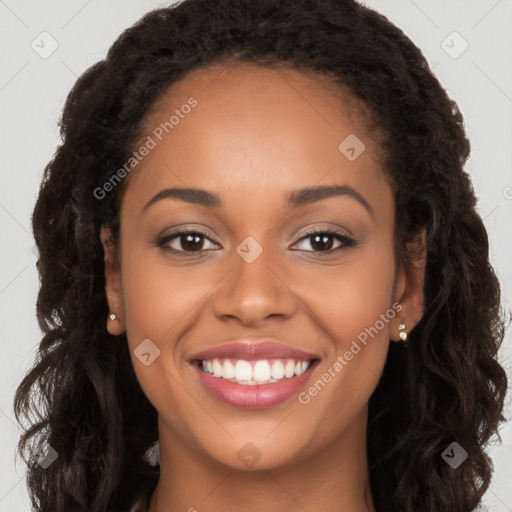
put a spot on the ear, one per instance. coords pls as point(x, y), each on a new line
point(409, 286)
point(115, 326)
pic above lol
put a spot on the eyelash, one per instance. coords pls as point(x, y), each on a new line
point(341, 236)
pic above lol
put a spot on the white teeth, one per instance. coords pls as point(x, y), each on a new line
point(255, 372)
point(277, 370)
point(217, 368)
point(228, 370)
point(289, 369)
point(261, 371)
point(243, 370)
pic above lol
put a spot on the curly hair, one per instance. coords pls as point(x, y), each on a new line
point(81, 395)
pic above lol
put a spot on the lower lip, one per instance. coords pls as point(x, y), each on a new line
point(257, 396)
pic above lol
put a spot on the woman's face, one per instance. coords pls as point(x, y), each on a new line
point(253, 271)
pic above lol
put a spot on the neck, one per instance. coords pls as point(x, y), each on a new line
point(335, 478)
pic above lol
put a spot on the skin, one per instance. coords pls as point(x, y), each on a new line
point(255, 135)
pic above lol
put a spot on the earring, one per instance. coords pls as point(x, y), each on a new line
point(401, 333)
point(113, 317)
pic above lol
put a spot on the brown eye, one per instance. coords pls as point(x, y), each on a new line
point(185, 241)
point(324, 240)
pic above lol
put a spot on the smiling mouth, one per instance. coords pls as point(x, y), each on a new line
point(254, 372)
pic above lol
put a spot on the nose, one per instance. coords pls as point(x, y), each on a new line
point(253, 291)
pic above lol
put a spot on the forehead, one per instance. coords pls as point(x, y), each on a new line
point(257, 130)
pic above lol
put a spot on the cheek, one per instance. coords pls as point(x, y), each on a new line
point(160, 303)
point(355, 305)
point(349, 299)
point(158, 298)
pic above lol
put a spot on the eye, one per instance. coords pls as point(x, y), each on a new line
point(192, 241)
point(321, 240)
point(185, 241)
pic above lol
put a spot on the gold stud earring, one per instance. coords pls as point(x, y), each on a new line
point(113, 317)
point(402, 333)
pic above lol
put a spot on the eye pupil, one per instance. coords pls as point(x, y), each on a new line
point(191, 242)
point(324, 239)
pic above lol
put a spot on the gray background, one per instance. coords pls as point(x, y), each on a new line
point(33, 90)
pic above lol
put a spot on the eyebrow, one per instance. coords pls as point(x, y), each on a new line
point(296, 198)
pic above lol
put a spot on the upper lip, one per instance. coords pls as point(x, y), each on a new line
point(251, 350)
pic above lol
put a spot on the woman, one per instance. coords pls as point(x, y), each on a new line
point(251, 200)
